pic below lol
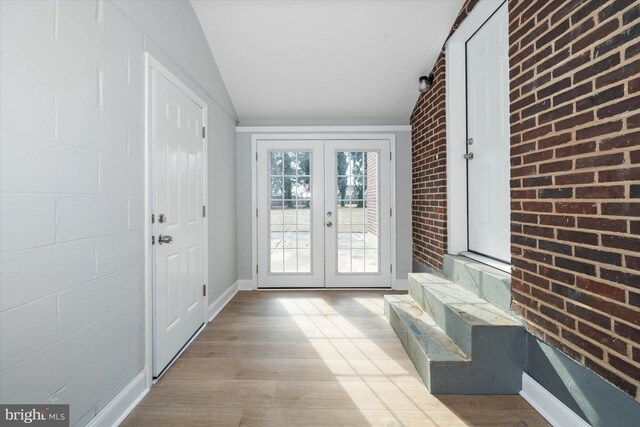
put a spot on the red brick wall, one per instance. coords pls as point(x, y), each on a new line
point(575, 135)
point(429, 161)
point(428, 144)
point(575, 155)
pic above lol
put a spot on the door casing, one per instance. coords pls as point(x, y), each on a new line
point(456, 135)
point(258, 138)
point(152, 64)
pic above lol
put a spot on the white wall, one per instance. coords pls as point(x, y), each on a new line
point(246, 265)
point(72, 190)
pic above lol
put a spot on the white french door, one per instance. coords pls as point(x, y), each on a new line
point(488, 163)
point(176, 130)
point(324, 211)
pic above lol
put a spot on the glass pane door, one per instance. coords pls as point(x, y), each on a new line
point(357, 210)
point(357, 218)
point(290, 205)
point(290, 227)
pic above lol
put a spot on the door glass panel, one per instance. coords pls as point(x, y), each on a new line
point(290, 212)
point(357, 207)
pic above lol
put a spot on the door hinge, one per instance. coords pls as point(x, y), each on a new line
point(390, 155)
point(256, 212)
point(390, 211)
point(204, 211)
point(204, 132)
point(153, 240)
point(204, 290)
point(256, 157)
point(256, 268)
point(390, 268)
point(153, 218)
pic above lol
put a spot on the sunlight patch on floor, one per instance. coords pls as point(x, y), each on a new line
point(367, 373)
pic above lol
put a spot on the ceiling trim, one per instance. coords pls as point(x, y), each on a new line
point(380, 128)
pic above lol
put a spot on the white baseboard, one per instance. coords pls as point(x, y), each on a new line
point(117, 410)
point(246, 285)
point(216, 307)
point(401, 285)
point(549, 406)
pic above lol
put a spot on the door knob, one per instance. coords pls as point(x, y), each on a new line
point(162, 218)
point(329, 213)
point(329, 224)
point(164, 239)
point(468, 156)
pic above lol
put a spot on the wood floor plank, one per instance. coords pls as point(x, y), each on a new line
point(309, 358)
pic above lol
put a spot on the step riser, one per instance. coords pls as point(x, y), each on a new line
point(486, 282)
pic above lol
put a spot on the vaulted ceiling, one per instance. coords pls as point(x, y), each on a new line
point(289, 62)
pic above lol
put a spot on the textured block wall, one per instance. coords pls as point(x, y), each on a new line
point(72, 204)
point(575, 180)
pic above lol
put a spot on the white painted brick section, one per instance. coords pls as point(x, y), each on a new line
point(39, 377)
point(72, 203)
point(32, 165)
point(59, 267)
point(26, 221)
point(83, 304)
point(119, 251)
point(89, 216)
point(27, 329)
point(121, 176)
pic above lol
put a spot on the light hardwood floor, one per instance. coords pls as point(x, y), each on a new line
point(318, 358)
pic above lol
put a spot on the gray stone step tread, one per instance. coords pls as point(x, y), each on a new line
point(433, 341)
point(477, 265)
point(473, 309)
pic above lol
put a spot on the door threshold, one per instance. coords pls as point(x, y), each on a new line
point(500, 265)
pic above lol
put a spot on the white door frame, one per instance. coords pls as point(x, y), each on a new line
point(456, 119)
point(152, 64)
point(255, 140)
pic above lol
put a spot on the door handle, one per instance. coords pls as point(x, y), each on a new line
point(164, 239)
point(468, 156)
point(329, 224)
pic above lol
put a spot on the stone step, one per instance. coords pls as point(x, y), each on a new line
point(486, 282)
point(444, 367)
point(435, 356)
point(461, 314)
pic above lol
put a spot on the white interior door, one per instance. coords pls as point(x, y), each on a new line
point(488, 133)
point(323, 213)
point(176, 127)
